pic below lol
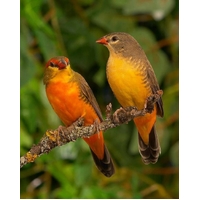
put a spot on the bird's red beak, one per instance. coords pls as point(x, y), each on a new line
point(102, 41)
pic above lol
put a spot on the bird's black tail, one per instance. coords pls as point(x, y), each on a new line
point(150, 152)
point(105, 165)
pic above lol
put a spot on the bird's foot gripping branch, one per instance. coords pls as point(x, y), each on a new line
point(63, 135)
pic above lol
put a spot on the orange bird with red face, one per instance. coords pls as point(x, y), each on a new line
point(71, 98)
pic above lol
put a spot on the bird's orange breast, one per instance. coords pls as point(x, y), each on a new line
point(66, 101)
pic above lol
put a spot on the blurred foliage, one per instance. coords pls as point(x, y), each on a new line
point(50, 28)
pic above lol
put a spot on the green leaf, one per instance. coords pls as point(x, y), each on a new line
point(100, 77)
point(31, 12)
point(27, 68)
point(157, 8)
point(112, 24)
point(174, 154)
point(84, 172)
point(26, 139)
point(47, 44)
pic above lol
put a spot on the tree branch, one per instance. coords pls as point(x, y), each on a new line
point(63, 135)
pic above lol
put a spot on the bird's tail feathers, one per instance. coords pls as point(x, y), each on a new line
point(150, 152)
point(105, 165)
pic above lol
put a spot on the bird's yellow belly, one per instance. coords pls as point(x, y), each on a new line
point(127, 83)
point(130, 88)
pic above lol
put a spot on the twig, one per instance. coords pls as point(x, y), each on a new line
point(63, 135)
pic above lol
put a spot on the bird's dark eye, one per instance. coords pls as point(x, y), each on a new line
point(114, 38)
point(52, 64)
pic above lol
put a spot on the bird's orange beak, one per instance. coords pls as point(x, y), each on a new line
point(102, 41)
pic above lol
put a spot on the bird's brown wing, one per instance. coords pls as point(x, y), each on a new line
point(155, 87)
point(87, 95)
point(105, 165)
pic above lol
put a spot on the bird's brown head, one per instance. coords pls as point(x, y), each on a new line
point(121, 44)
point(55, 66)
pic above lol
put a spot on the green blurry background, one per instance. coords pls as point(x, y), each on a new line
point(51, 28)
